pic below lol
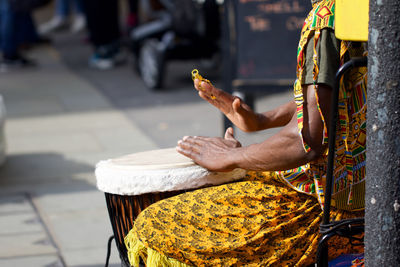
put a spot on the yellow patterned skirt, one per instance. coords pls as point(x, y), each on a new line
point(258, 221)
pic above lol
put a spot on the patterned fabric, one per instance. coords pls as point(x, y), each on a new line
point(351, 260)
point(349, 169)
point(255, 222)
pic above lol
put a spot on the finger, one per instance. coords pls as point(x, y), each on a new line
point(229, 135)
point(197, 84)
point(187, 149)
point(207, 87)
point(205, 97)
point(199, 140)
point(224, 99)
point(188, 152)
point(237, 105)
point(191, 141)
point(212, 100)
point(204, 92)
point(216, 94)
point(184, 152)
point(199, 143)
point(194, 157)
point(241, 107)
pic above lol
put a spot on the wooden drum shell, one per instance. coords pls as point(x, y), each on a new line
point(124, 209)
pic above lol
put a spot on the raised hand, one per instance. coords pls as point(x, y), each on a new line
point(238, 112)
point(212, 153)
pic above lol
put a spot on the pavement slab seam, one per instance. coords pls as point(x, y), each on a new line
point(46, 226)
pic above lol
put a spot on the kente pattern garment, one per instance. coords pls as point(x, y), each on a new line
point(349, 168)
point(268, 218)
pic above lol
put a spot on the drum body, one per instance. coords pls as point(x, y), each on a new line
point(133, 182)
point(123, 211)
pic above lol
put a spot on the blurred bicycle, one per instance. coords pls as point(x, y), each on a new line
point(177, 29)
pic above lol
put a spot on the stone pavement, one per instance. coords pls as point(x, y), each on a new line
point(62, 118)
point(58, 127)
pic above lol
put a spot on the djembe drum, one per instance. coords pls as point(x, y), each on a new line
point(133, 182)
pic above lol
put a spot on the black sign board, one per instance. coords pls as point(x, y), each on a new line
point(260, 39)
point(263, 37)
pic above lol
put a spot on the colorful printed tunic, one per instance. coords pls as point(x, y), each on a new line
point(268, 218)
point(349, 169)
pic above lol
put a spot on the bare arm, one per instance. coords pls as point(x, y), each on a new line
point(278, 117)
point(240, 114)
point(282, 151)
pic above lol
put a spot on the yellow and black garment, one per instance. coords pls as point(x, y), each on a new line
point(259, 221)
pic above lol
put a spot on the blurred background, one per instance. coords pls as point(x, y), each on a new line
point(89, 80)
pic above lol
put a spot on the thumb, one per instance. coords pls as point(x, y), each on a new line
point(239, 106)
point(229, 134)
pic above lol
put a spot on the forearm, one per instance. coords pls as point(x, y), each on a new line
point(285, 150)
point(282, 151)
point(277, 117)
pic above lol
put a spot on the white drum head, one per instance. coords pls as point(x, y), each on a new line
point(153, 160)
point(156, 171)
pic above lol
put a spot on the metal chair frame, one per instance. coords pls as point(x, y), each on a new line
point(347, 228)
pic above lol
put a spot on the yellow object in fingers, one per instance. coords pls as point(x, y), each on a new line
point(196, 75)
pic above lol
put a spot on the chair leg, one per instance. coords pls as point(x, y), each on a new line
point(322, 251)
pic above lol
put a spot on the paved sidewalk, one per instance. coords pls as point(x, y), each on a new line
point(58, 127)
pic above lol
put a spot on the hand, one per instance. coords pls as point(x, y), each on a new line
point(214, 154)
point(234, 108)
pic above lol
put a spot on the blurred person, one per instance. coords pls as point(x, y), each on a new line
point(102, 21)
point(61, 17)
point(16, 28)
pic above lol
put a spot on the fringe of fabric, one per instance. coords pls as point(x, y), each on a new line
point(136, 250)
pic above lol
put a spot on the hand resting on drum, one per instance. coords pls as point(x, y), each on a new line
point(211, 153)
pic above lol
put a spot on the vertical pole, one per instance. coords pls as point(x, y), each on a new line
point(382, 212)
point(228, 50)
